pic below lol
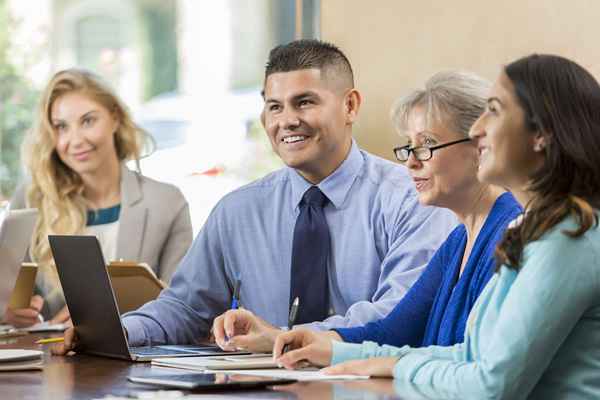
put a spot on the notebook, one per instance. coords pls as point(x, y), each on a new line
point(125, 275)
point(19, 360)
point(228, 362)
point(93, 307)
point(16, 230)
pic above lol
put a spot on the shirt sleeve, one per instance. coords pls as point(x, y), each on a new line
point(342, 352)
point(406, 323)
point(183, 312)
point(520, 329)
point(417, 233)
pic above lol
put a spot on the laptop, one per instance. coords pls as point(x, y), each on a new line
point(16, 228)
point(93, 307)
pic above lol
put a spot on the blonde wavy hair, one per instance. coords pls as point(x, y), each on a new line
point(56, 190)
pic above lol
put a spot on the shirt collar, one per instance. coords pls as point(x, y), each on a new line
point(336, 186)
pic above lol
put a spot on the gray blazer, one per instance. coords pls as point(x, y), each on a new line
point(154, 223)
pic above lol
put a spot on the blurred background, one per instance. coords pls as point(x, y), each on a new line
point(192, 70)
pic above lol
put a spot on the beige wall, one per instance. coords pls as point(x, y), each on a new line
point(394, 45)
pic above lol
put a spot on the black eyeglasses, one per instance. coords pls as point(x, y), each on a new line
point(422, 153)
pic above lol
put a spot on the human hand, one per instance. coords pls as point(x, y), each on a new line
point(69, 344)
point(382, 367)
point(61, 317)
point(242, 330)
point(25, 317)
point(304, 346)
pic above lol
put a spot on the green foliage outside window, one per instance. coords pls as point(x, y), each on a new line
point(17, 104)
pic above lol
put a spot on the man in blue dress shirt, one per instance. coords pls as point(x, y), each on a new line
point(380, 237)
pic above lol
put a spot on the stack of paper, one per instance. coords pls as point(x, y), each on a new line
point(250, 364)
point(19, 360)
point(46, 327)
point(298, 374)
point(226, 362)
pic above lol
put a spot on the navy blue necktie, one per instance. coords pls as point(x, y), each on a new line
point(310, 252)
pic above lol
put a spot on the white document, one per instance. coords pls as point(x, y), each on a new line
point(46, 327)
point(298, 374)
point(18, 360)
point(226, 362)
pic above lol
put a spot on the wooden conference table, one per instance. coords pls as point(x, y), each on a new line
point(89, 377)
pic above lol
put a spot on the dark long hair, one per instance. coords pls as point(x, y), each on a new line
point(561, 100)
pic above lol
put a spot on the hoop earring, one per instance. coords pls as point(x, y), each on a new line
point(538, 147)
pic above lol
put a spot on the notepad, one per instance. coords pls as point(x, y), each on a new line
point(218, 362)
point(20, 360)
point(21, 294)
point(46, 327)
point(263, 366)
point(134, 284)
point(298, 374)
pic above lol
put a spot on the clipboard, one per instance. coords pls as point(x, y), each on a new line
point(23, 290)
point(134, 284)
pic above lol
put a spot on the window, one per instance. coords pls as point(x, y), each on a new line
point(191, 72)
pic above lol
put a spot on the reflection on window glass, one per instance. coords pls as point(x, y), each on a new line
point(191, 71)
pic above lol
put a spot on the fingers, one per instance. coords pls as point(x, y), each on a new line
point(26, 313)
point(37, 302)
point(231, 323)
point(346, 368)
point(219, 332)
point(22, 318)
point(281, 340)
point(242, 342)
point(61, 316)
point(293, 358)
point(236, 319)
point(69, 343)
point(339, 369)
point(23, 322)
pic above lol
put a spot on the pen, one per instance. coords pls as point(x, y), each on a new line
point(50, 340)
point(236, 295)
point(292, 320)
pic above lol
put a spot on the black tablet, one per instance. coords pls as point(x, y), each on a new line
point(192, 381)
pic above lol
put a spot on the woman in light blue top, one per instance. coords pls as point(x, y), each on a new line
point(535, 330)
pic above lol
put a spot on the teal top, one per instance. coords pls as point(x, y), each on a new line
point(103, 216)
point(531, 334)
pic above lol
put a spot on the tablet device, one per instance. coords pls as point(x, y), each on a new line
point(209, 381)
point(21, 294)
point(16, 229)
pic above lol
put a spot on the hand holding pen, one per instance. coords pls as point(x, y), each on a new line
point(240, 329)
point(235, 300)
point(292, 319)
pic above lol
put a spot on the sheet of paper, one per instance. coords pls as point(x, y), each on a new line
point(46, 327)
point(301, 375)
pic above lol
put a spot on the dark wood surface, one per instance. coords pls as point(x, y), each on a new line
point(90, 377)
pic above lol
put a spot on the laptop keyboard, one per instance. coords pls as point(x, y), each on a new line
point(155, 351)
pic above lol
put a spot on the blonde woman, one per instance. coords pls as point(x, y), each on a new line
point(79, 182)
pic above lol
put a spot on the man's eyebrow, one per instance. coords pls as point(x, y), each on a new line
point(308, 93)
point(295, 98)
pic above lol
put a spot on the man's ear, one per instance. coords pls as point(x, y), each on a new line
point(262, 118)
point(352, 102)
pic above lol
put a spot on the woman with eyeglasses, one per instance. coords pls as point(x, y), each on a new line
point(443, 162)
point(535, 330)
point(80, 184)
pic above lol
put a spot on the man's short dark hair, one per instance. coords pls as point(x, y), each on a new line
point(309, 54)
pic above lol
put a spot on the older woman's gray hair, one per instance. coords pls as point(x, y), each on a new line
point(450, 97)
